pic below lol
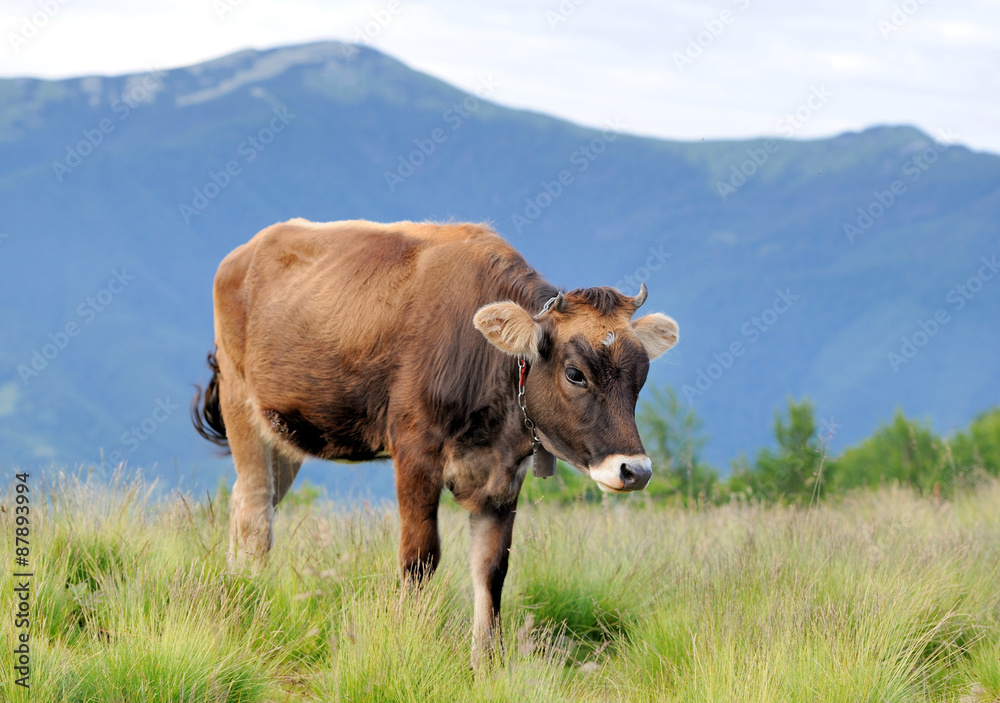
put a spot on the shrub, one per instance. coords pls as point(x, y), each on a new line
point(903, 451)
point(978, 448)
point(792, 472)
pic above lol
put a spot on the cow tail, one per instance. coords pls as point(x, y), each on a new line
point(206, 413)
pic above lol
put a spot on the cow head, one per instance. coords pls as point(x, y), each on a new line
point(589, 361)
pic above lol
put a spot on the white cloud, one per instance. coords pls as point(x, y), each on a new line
point(937, 68)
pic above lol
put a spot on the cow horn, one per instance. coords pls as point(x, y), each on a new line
point(559, 303)
point(638, 300)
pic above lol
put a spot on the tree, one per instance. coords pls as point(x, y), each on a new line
point(672, 435)
point(792, 472)
point(903, 451)
point(978, 448)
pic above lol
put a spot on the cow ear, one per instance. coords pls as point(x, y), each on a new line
point(656, 333)
point(509, 328)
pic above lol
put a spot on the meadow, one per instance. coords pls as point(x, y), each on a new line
point(881, 595)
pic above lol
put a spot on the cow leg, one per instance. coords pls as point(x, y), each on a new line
point(255, 496)
point(251, 507)
point(251, 512)
point(491, 530)
point(418, 492)
point(284, 469)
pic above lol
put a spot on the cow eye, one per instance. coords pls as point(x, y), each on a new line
point(575, 376)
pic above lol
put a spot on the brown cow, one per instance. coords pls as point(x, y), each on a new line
point(353, 341)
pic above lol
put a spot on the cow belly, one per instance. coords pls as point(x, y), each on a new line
point(349, 440)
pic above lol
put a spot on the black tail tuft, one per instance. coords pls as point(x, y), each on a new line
point(206, 413)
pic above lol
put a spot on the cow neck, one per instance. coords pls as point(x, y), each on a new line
point(542, 462)
point(522, 376)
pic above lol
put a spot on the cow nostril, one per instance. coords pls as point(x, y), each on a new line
point(626, 474)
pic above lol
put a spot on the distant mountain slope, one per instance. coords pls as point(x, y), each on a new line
point(121, 195)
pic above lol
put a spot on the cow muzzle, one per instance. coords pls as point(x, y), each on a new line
point(619, 473)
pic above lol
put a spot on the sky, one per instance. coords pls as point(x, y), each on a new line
point(700, 69)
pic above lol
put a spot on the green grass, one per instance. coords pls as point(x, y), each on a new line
point(880, 596)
